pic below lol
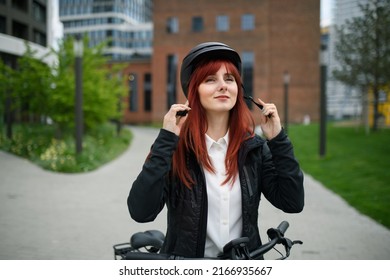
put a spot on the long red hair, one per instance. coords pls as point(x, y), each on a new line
point(192, 134)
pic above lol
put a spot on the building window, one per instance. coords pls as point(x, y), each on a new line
point(19, 30)
point(222, 23)
point(247, 74)
point(148, 92)
point(171, 80)
point(248, 22)
point(172, 25)
point(20, 5)
point(3, 25)
point(133, 92)
point(197, 24)
point(39, 12)
point(39, 38)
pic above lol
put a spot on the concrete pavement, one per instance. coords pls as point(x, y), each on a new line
point(46, 215)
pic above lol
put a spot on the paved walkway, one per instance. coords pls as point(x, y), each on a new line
point(45, 215)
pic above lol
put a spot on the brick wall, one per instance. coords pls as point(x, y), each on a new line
point(286, 37)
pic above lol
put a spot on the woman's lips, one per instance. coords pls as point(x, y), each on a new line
point(222, 97)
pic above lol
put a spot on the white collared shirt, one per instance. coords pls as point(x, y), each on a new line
point(224, 220)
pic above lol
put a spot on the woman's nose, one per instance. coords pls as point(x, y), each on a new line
point(222, 86)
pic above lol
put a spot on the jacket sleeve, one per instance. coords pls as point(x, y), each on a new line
point(282, 178)
point(146, 197)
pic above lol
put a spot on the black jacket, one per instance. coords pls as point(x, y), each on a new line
point(267, 167)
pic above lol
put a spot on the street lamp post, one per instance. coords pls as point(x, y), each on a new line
point(323, 107)
point(79, 118)
point(286, 82)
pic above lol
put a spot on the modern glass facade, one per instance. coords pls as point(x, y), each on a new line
point(20, 22)
point(125, 24)
point(343, 101)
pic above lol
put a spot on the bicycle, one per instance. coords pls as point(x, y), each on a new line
point(146, 246)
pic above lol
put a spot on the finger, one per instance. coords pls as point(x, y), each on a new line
point(268, 108)
point(182, 109)
point(181, 106)
point(178, 107)
point(261, 101)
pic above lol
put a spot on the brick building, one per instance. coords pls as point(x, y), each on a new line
point(138, 103)
point(272, 36)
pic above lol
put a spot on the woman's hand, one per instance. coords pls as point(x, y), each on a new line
point(269, 120)
point(173, 122)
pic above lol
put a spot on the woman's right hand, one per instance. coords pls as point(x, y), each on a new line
point(172, 122)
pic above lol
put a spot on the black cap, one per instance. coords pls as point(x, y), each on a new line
point(209, 51)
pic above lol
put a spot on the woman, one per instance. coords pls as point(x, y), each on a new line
point(209, 168)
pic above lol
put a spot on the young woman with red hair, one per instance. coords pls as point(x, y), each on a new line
point(208, 166)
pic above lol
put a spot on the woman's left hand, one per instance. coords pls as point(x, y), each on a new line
point(269, 120)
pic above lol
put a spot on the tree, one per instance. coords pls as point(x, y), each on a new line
point(100, 92)
point(31, 86)
point(24, 91)
point(37, 91)
point(6, 105)
point(363, 50)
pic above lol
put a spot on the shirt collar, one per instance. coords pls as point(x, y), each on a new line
point(221, 141)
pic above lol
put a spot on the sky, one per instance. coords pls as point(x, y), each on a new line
point(326, 12)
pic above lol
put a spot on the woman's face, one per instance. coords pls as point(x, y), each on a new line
point(218, 92)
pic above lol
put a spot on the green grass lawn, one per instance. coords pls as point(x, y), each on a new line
point(356, 166)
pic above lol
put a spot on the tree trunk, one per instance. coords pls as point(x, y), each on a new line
point(365, 111)
point(376, 111)
point(8, 115)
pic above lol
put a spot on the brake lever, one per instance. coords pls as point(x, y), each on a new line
point(288, 245)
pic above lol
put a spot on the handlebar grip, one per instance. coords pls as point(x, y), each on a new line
point(283, 227)
point(278, 233)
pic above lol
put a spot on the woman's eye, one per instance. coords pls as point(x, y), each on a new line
point(209, 79)
point(230, 79)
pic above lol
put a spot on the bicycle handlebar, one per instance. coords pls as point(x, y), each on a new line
point(235, 249)
point(283, 227)
point(279, 231)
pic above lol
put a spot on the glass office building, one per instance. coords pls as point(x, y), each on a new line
point(125, 24)
point(344, 102)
